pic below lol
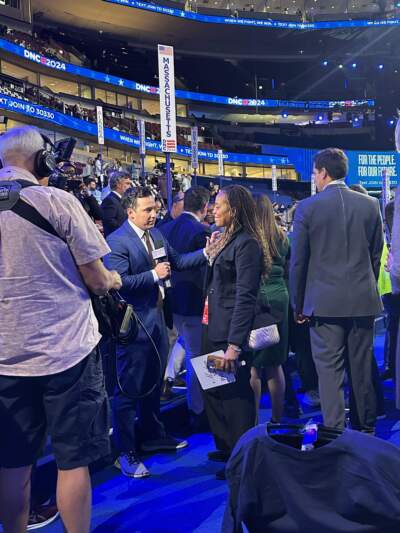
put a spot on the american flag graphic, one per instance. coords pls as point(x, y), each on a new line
point(170, 145)
point(166, 50)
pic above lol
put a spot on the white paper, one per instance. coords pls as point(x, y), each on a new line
point(209, 380)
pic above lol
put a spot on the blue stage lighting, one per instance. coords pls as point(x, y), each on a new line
point(285, 114)
point(354, 65)
point(325, 63)
point(380, 66)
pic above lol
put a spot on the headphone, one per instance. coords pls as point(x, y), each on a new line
point(45, 160)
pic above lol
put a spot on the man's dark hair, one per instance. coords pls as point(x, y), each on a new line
point(130, 198)
point(358, 188)
point(88, 179)
point(196, 198)
point(177, 197)
point(115, 177)
point(334, 161)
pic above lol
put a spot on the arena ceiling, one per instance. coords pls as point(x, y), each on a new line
point(145, 29)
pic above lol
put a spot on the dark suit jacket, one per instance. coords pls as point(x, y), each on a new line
point(233, 283)
point(186, 234)
point(113, 213)
point(336, 250)
point(166, 220)
point(130, 259)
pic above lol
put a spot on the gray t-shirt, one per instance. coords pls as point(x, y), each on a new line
point(47, 323)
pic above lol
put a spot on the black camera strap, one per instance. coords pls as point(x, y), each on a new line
point(32, 215)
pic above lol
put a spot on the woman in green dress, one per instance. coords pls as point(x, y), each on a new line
point(273, 292)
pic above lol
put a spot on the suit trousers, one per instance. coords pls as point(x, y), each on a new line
point(391, 303)
point(139, 370)
point(189, 329)
point(231, 409)
point(339, 344)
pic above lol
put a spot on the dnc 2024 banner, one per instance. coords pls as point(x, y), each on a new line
point(52, 117)
point(76, 70)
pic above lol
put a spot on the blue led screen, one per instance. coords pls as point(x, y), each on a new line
point(76, 70)
point(258, 23)
point(88, 128)
point(364, 167)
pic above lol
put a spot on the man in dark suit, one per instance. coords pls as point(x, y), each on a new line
point(113, 213)
point(176, 209)
point(141, 363)
point(187, 233)
point(336, 251)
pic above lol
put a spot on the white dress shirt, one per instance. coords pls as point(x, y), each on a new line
point(141, 234)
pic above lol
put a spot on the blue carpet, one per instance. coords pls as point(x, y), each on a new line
point(182, 495)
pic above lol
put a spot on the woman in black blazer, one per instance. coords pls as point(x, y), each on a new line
point(237, 262)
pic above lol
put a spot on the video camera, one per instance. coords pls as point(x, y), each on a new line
point(61, 176)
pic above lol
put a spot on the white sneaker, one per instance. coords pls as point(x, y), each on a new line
point(131, 466)
point(312, 398)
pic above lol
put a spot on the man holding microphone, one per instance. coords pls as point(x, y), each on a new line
point(141, 364)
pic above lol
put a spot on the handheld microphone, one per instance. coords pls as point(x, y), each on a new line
point(159, 255)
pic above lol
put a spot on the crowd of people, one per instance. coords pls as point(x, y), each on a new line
point(200, 277)
point(115, 117)
point(46, 47)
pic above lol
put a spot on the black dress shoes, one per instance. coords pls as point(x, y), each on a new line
point(219, 456)
point(221, 474)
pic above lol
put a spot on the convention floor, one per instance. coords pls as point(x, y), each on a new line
point(182, 495)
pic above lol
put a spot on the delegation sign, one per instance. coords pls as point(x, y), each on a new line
point(166, 76)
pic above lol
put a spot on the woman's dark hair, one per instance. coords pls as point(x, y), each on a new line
point(242, 207)
point(334, 161)
point(267, 221)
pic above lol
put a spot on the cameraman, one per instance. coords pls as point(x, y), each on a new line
point(50, 372)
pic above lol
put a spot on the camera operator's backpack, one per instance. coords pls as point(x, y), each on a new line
point(115, 317)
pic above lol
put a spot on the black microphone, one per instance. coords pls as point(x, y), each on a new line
point(159, 255)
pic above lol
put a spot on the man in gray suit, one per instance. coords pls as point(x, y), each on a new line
point(336, 250)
